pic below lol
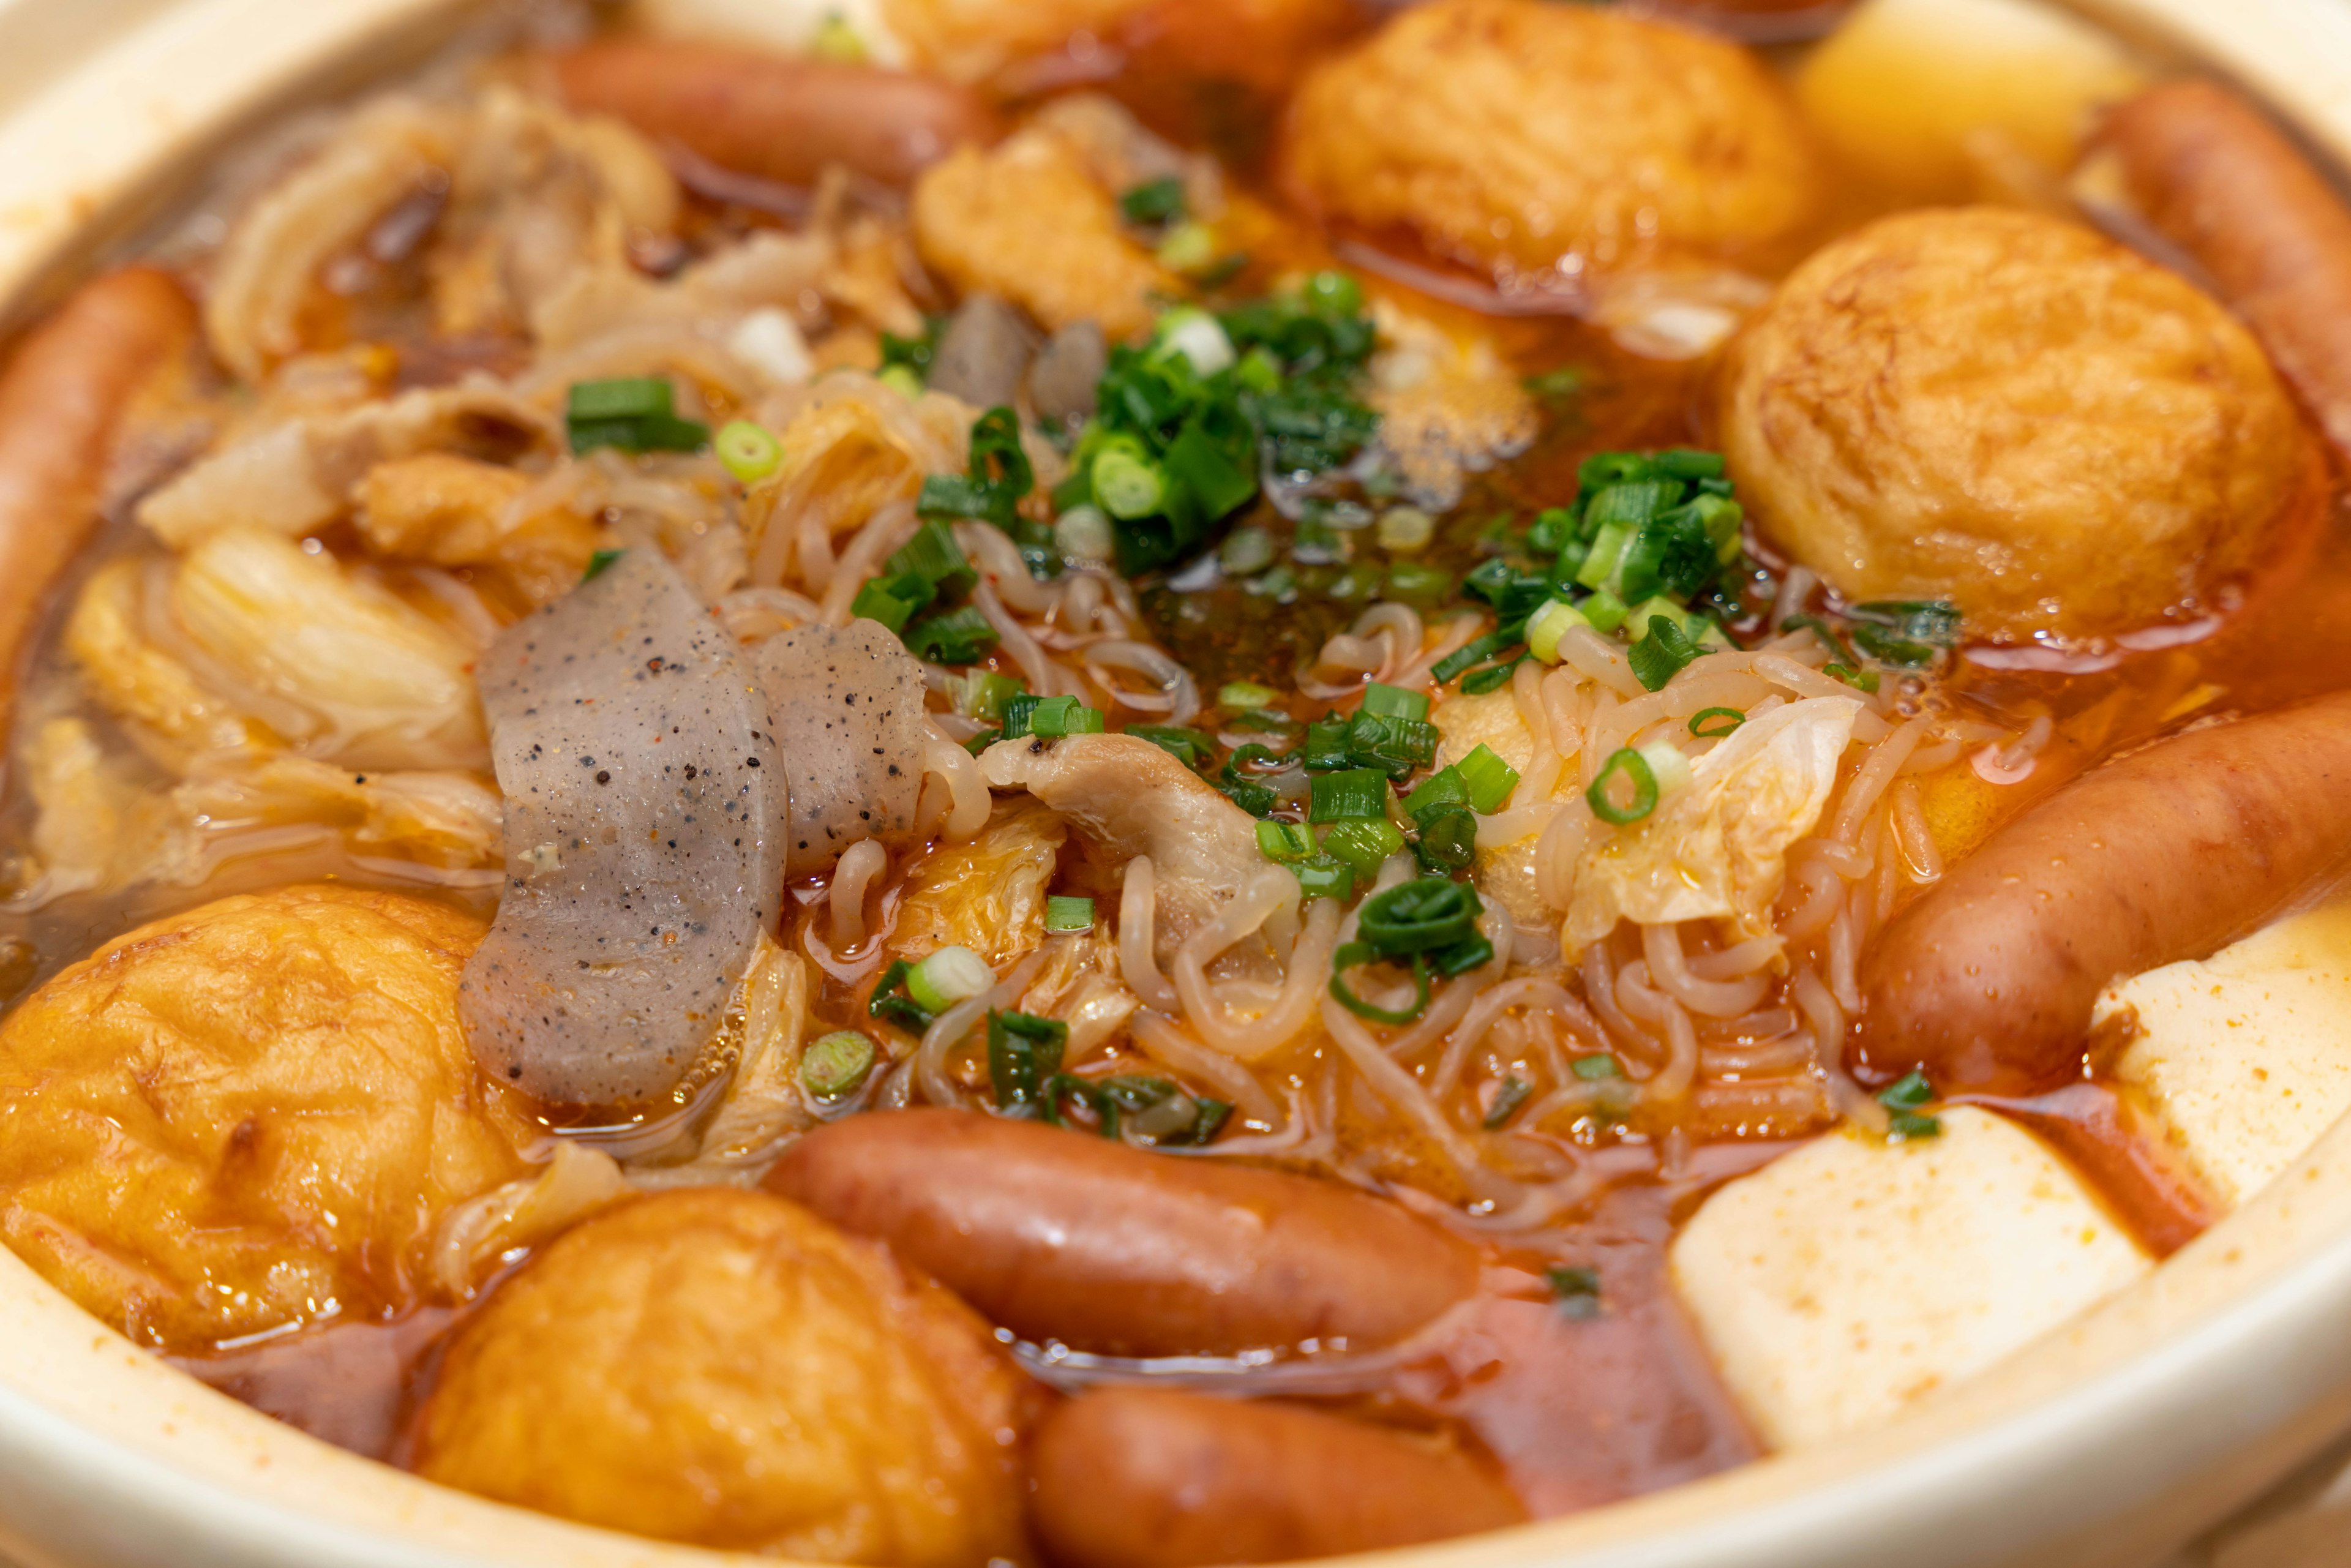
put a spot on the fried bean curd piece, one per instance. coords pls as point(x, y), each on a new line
point(250, 1116)
point(721, 1367)
point(60, 401)
point(449, 510)
point(2011, 413)
point(987, 892)
point(1259, 42)
point(1025, 221)
point(1528, 137)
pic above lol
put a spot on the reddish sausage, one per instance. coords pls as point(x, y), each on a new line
point(1133, 1478)
point(2211, 172)
point(781, 120)
point(2167, 854)
point(59, 402)
point(1058, 1235)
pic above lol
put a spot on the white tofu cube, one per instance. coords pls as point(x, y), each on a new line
point(1854, 1276)
point(2244, 1060)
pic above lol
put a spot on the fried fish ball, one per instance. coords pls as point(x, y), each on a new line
point(2012, 412)
point(1522, 136)
point(250, 1115)
point(723, 1368)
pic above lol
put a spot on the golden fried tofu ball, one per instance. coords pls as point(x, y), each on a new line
point(1025, 221)
point(1254, 41)
point(249, 1115)
point(723, 1368)
point(1523, 136)
point(2012, 412)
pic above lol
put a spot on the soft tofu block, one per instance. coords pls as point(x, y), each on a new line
point(1839, 1283)
point(2244, 1059)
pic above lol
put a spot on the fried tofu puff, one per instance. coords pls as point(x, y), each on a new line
point(249, 1115)
point(722, 1368)
point(1529, 138)
point(2012, 412)
point(1254, 41)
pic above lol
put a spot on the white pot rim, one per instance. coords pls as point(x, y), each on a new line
point(2224, 1369)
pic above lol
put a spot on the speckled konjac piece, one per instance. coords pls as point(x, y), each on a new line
point(645, 828)
point(849, 714)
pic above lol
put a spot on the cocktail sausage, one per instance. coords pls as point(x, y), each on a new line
point(2165, 855)
point(1133, 1478)
point(1061, 1236)
point(781, 120)
point(60, 401)
point(2211, 172)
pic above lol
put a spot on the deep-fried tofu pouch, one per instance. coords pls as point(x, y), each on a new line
point(250, 1115)
point(1523, 136)
point(721, 1367)
point(2012, 412)
point(1027, 221)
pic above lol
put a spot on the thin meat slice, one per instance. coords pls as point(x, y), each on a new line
point(645, 828)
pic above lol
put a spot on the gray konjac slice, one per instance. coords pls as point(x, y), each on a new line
point(849, 711)
point(645, 809)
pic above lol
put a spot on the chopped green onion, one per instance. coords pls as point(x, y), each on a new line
point(1190, 246)
point(983, 740)
point(891, 601)
point(1605, 611)
point(1448, 838)
point(747, 451)
point(633, 413)
point(1152, 202)
point(1487, 779)
point(627, 397)
point(982, 694)
point(1325, 876)
point(1415, 583)
point(1246, 694)
point(1908, 631)
point(1024, 1052)
point(599, 563)
point(1394, 702)
point(1191, 748)
point(1860, 680)
point(1065, 914)
point(1477, 650)
point(1363, 846)
point(835, 1064)
point(1577, 1290)
point(1547, 625)
point(957, 637)
point(996, 474)
point(1246, 549)
point(1592, 1069)
point(890, 1001)
point(1352, 954)
point(1334, 293)
point(1512, 1094)
point(1419, 916)
point(1265, 721)
point(1083, 533)
point(1714, 723)
point(1661, 655)
point(1352, 795)
point(1633, 768)
point(1668, 765)
point(1057, 716)
point(1906, 1092)
point(1017, 712)
point(933, 555)
point(1128, 486)
point(1404, 530)
point(948, 976)
point(1284, 842)
point(1441, 788)
point(1909, 1126)
point(1838, 651)
point(837, 41)
point(1493, 677)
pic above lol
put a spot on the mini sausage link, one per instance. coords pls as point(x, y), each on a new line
point(2211, 172)
point(1058, 1235)
point(1987, 981)
point(780, 120)
point(1133, 1478)
point(60, 401)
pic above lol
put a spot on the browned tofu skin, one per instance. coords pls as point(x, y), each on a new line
point(1133, 1478)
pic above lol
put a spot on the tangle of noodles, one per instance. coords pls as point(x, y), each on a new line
point(1137, 917)
point(950, 1028)
point(860, 864)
